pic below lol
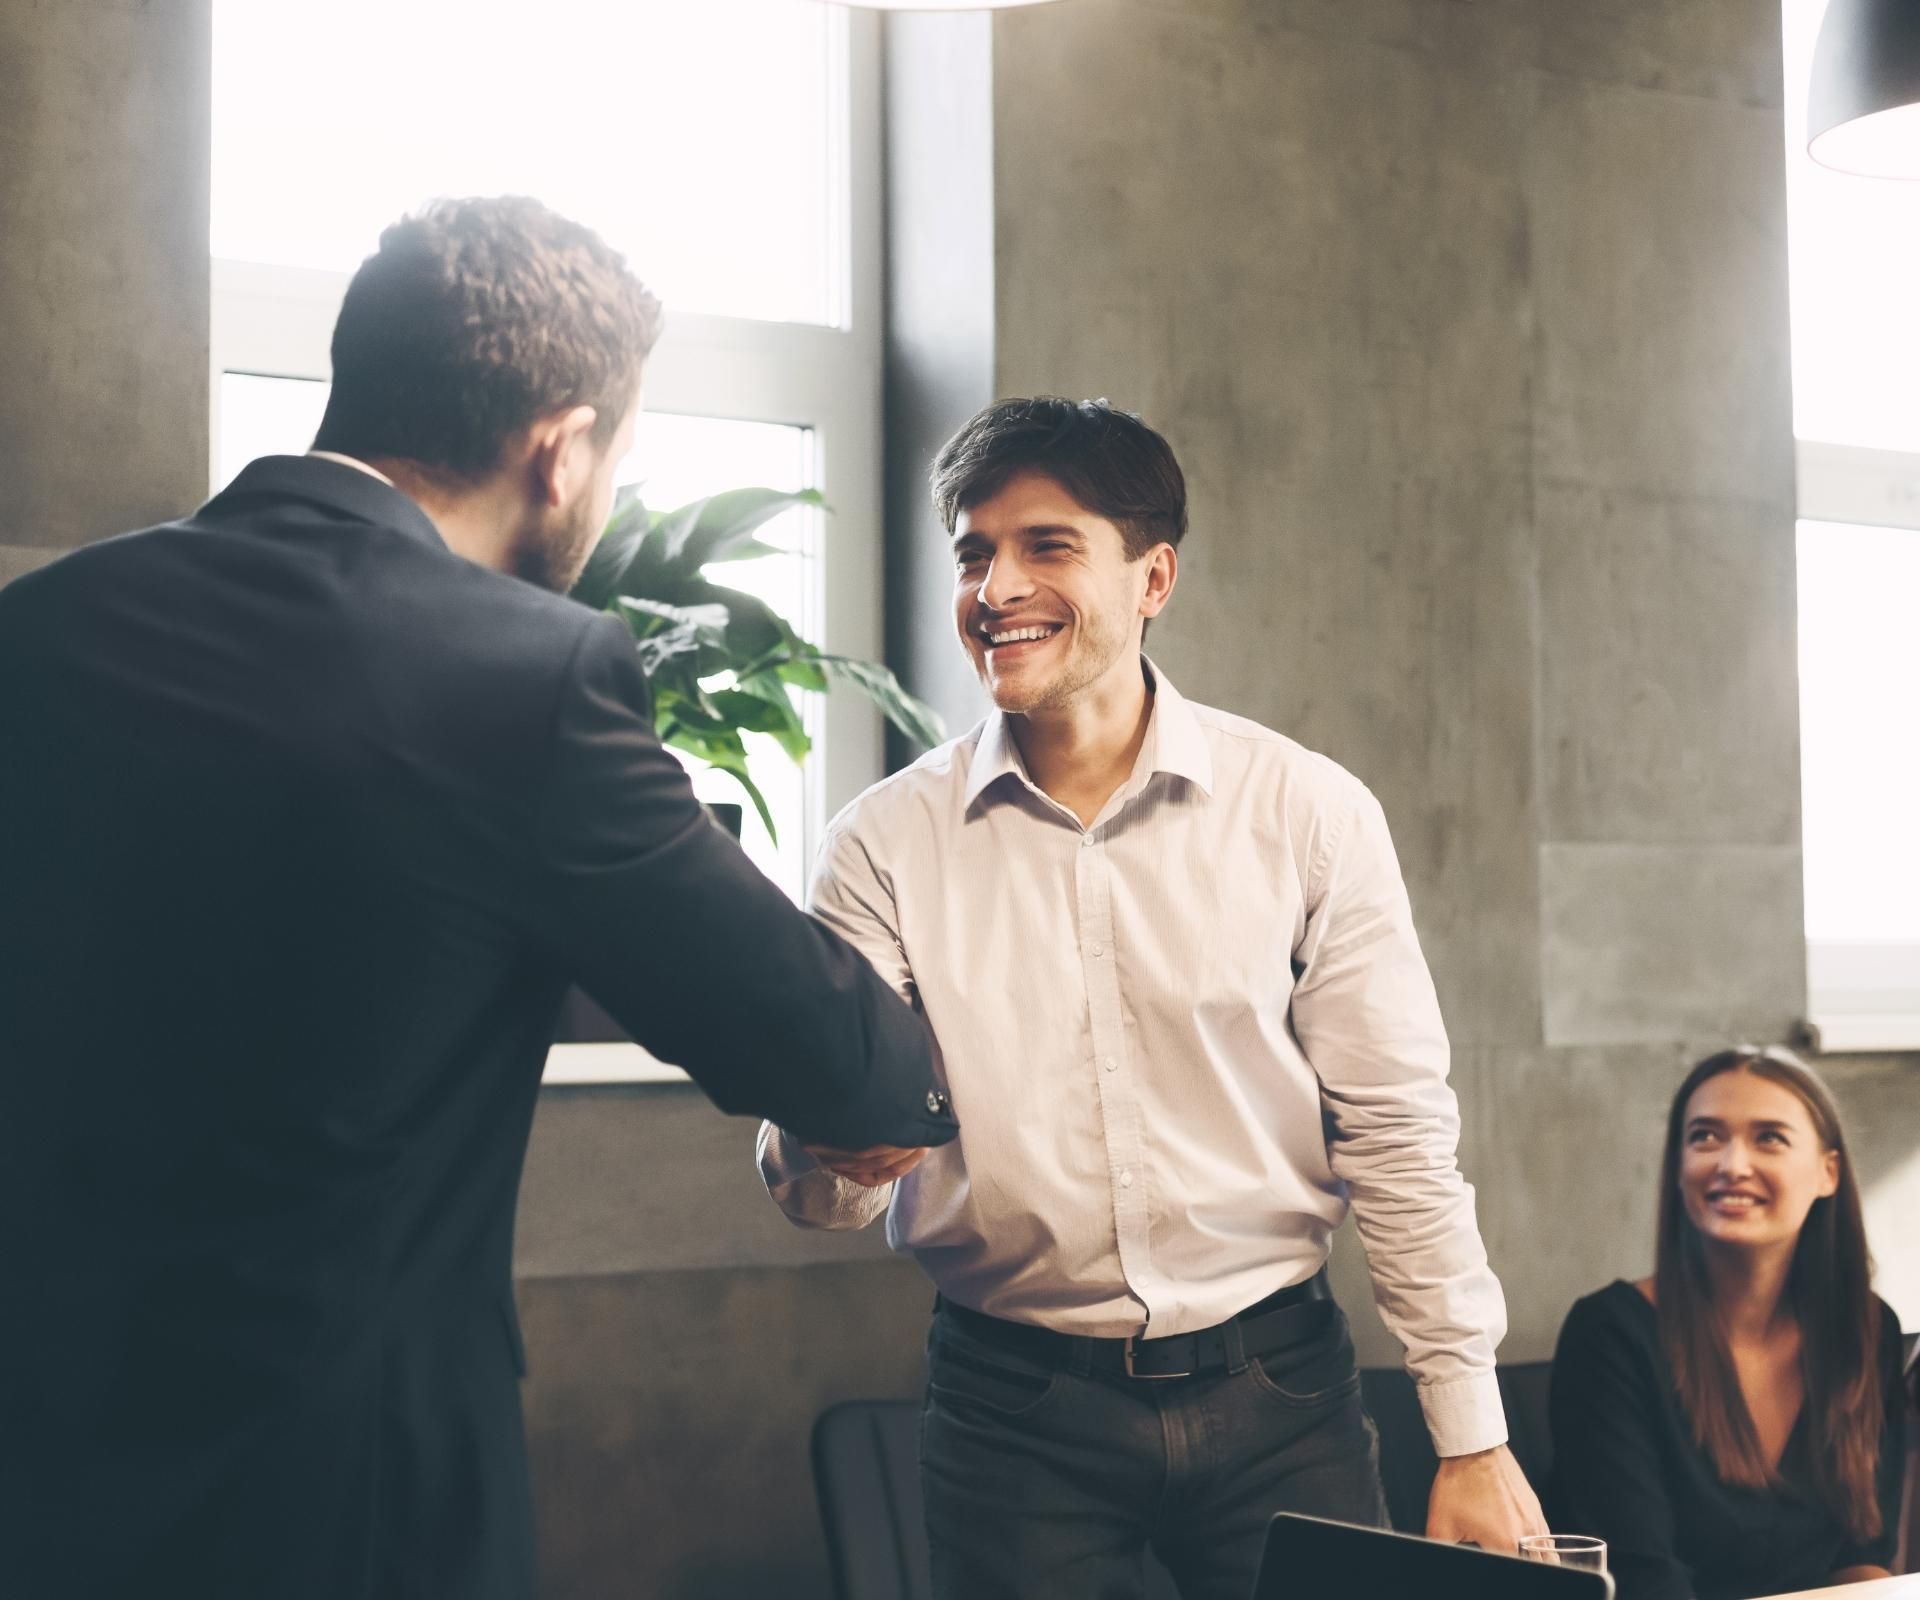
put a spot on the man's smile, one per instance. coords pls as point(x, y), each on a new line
point(1006, 641)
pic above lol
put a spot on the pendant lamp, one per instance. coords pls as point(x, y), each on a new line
point(1863, 100)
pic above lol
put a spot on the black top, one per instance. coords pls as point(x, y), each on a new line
point(1626, 1469)
point(305, 824)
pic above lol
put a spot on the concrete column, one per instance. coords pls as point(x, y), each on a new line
point(104, 119)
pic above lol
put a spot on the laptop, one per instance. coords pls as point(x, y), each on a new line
point(1309, 1558)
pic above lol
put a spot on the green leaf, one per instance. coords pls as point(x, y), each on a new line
point(803, 672)
point(734, 764)
point(663, 632)
point(754, 629)
point(748, 550)
point(613, 553)
point(717, 746)
point(915, 718)
point(717, 528)
point(761, 705)
point(739, 776)
point(709, 621)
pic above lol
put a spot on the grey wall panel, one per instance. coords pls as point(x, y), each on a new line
point(651, 1178)
point(1669, 673)
point(104, 118)
point(1659, 250)
point(17, 562)
point(668, 1416)
point(1645, 943)
point(940, 329)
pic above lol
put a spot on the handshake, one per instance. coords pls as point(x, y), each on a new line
point(871, 1169)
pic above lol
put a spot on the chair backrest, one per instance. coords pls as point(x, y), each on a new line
point(1407, 1461)
point(866, 1473)
point(1523, 1390)
point(1906, 1557)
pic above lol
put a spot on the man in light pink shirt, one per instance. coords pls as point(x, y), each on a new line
point(1184, 1022)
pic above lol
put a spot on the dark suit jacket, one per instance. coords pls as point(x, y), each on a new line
point(305, 824)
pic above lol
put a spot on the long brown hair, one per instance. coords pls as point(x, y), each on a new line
point(1829, 1291)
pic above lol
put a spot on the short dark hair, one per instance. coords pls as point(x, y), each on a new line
point(1107, 459)
point(474, 319)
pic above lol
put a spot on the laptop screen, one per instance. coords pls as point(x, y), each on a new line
point(1310, 1559)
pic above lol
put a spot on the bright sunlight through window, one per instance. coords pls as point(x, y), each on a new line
point(696, 138)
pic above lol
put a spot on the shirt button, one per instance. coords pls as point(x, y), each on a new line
point(1098, 951)
point(1109, 1063)
point(1085, 840)
point(1126, 1179)
point(936, 1102)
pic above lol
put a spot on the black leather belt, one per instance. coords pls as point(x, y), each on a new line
point(1267, 1326)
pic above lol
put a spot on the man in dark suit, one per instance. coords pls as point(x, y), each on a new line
point(310, 808)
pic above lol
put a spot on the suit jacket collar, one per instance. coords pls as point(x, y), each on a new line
point(334, 485)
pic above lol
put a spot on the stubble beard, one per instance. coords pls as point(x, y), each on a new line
point(553, 552)
point(1094, 649)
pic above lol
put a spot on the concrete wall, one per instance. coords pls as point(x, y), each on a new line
point(1468, 322)
point(1469, 325)
point(104, 119)
point(681, 1338)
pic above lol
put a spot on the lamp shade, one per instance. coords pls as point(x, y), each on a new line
point(1863, 100)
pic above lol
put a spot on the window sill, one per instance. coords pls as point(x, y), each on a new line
point(572, 1064)
point(1865, 1033)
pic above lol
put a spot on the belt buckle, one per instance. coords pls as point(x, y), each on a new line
point(1126, 1358)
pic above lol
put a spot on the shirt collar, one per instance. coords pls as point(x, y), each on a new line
point(350, 487)
point(351, 461)
point(1175, 744)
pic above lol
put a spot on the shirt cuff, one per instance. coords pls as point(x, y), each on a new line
point(1465, 1415)
point(781, 1158)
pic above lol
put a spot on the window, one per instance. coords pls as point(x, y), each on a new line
point(1855, 255)
point(731, 152)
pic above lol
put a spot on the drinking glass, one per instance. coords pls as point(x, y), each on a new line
point(1566, 1550)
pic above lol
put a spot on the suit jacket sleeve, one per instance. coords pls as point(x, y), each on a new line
point(664, 921)
point(849, 895)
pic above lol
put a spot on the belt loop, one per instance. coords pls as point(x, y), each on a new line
point(1234, 1345)
point(1080, 1358)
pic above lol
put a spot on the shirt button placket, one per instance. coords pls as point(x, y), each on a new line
point(1119, 1114)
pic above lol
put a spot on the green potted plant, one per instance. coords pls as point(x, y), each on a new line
point(722, 663)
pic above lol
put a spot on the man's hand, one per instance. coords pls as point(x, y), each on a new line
point(1483, 1499)
point(868, 1168)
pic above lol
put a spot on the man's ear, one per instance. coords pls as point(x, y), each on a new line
point(1163, 570)
point(562, 457)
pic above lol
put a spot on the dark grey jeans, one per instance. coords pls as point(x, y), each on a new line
point(1049, 1485)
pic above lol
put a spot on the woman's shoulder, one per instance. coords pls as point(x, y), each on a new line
point(1619, 1301)
point(1893, 1347)
point(1889, 1318)
point(1614, 1315)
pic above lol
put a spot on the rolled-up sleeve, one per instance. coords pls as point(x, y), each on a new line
point(1366, 1015)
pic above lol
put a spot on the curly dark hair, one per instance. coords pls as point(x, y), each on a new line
point(1106, 458)
point(473, 319)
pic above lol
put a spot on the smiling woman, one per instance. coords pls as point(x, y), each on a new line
point(1733, 1425)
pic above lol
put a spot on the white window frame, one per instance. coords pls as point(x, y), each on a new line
point(278, 322)
point(1857, 1001)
